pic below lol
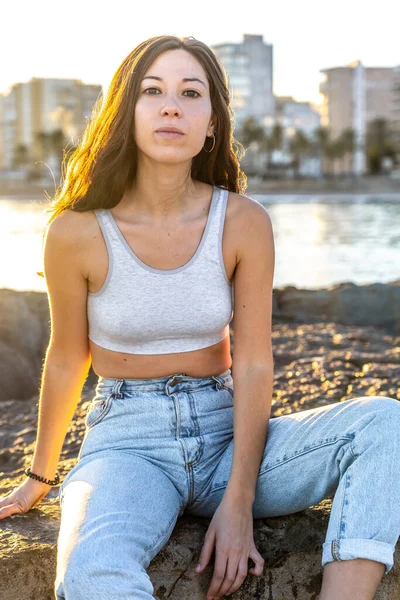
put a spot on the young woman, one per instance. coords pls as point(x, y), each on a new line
point(151, 249)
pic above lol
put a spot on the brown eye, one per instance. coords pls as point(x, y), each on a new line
point(149, 91)
point(194, 92)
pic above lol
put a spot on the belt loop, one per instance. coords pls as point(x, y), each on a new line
point(218, 381)
point(171, 383)
point(116, 392)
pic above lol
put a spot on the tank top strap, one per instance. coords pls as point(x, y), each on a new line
point(210, 247)
point(216, 226)
point(110, 236)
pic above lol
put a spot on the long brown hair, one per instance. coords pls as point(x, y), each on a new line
point(103, 165)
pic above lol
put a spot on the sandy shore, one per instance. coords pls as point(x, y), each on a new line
point(365, 185)
point(25, 191)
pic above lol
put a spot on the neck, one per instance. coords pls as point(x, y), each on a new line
point(161, 191)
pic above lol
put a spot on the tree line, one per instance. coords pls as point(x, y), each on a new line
point(380, 143)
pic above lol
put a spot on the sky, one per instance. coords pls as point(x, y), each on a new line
point(88, 40)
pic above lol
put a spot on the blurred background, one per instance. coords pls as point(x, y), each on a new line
point(316, 93)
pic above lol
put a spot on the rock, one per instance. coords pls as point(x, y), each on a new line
point(24, 335)
point(375, 304)
point(315, 364)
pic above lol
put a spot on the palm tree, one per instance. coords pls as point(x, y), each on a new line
point(322, 138)
point(252, 136)
point(50, 147)
point(21, 156)
point(348, 142)
point(273, 141)
point(335, 151)
point(379, 144)
point(42, 142)
point(251, 131)
point(57, 142)
point(299, 144)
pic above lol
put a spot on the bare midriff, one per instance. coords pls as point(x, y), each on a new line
point(197, 363)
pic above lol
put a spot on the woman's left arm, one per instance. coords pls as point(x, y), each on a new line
point(231, 528)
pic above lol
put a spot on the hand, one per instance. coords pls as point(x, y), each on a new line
point(231, 531)
point(24, 497)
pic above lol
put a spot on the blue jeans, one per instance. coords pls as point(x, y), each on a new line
point(156, 448)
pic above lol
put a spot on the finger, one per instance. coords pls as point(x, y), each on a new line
point(230, 575)
point(259, 563)
point(241, 575)
point(206, 551)
point(221, 559)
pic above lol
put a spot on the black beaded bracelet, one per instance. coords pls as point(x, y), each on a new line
point(55, 481)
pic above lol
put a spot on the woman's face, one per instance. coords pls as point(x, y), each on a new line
point(167, 100)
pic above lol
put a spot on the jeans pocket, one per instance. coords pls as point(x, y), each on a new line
point(98, 409)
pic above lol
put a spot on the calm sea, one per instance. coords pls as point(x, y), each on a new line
point(319, 240)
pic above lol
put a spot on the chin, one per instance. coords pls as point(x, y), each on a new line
point(172, 157)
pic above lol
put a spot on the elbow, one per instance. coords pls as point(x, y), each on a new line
point(67, 363)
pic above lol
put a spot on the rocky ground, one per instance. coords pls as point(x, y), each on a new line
point(315, 364)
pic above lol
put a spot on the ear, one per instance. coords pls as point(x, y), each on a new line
point(211, 127)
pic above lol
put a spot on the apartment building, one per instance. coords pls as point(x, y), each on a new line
point(31, 114)
point(353, 96)
point(250, 74)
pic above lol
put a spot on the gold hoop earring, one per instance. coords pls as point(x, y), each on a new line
point(212, 148)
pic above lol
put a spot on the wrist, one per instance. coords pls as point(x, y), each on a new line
point(48, 481)
point(44, 469)
point(239, 497)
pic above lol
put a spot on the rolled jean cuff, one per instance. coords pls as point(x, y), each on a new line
point(345, 549)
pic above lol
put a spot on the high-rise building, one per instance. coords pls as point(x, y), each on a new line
point(31, 114)
point(353, 96)
point(250, 74)
point(338, 89)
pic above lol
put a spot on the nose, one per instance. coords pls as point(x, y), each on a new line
point(171, 108)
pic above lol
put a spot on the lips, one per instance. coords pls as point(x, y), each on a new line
point(171, 133)
point(170, 130)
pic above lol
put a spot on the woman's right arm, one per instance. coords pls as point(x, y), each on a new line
point(67, 359)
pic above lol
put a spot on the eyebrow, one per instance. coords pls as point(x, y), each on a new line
point(184, 79)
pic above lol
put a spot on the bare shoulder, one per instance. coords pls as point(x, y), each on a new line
point(70, 226)
point(72, 230)
point(249, 221)
point(244, 207)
